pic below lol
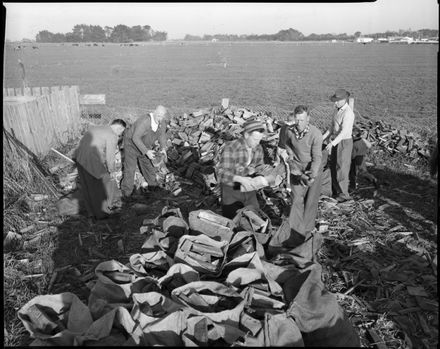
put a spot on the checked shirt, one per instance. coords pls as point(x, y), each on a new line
point(234, 160)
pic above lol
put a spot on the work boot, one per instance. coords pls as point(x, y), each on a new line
point(343, 198)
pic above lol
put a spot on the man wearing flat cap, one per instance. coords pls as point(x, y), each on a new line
point(236, 169)
point(340, 144)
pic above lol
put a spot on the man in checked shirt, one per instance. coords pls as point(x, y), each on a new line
point(236, 169)
point(340, 145)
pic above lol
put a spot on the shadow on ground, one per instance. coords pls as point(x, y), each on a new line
point(407, 198)
point(381, 275)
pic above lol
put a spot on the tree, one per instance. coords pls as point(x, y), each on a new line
point(71, 37)
point(159, 36)
point(121, 33)
point(108, 32)
point(357, 34)
point(96, 33)
point(44, 36)
point(58, 37)
point(192, 38)
point(289, 35)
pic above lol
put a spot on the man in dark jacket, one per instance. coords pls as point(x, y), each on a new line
point(139, 148)
point(95, 160)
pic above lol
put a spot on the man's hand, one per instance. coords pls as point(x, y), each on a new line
point(165, 157)
point(329, 147)
point(150, 154)
point(283, 154)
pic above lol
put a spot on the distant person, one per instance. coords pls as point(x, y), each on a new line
point(300, 144)
point(340, 144)
point(95, 160)
point(358, 167)
point(139, 142)
point(236, 169)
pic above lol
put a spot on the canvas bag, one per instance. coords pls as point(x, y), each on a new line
point(317, 312)
point(65, 308)
point(289, 247)
point(275, 330)
point(178, 275)
point(108, 293)
point(147, 263)
point(254, 220)
point(159, 240)
point(218, 302)
point(211, 262)
point(115, 328)
point(251, 261)
point(211, 224)
point(150, 306)
point(78, 322)
point(202, 331)
point(244, 242)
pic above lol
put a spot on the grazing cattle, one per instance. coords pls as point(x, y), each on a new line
point(17, 48)
point(35, 47)
point(95, 44)
point(75, 44)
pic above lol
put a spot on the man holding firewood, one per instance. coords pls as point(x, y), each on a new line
point(237, 169)
point(139, 148)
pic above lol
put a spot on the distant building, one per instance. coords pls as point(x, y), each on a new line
point(382, 40)
point(364, 40)
point(401, 40)
point(214, 40)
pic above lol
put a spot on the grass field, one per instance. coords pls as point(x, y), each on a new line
point(391, 82)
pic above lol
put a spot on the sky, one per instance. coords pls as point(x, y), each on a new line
point(25, 20)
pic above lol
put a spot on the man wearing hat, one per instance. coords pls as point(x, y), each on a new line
point(300, 144)
point(340, 144)
point(236, 169)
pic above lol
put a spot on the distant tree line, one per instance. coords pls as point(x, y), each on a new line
point(95, 33)
point(295, 35)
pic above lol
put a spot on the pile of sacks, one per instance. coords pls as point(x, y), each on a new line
point(206, 281)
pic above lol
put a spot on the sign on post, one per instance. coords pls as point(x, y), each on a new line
point(91, 99)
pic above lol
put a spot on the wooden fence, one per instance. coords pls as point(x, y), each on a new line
point(42, 117)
